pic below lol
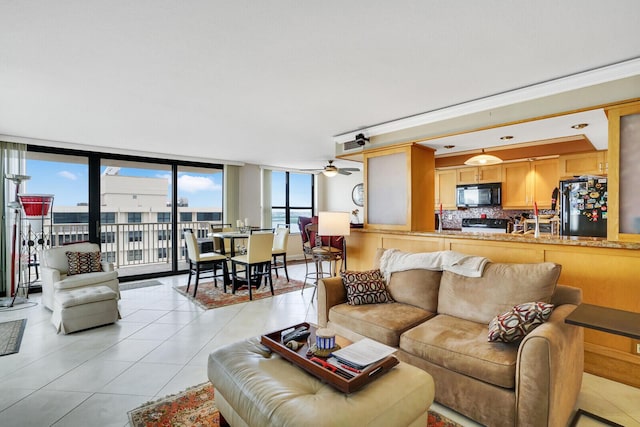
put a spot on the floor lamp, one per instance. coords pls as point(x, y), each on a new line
point(333, 224)
point(17, 208)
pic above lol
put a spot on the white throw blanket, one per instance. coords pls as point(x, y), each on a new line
point(393, 260)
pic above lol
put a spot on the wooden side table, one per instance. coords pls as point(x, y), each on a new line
point(611, 320)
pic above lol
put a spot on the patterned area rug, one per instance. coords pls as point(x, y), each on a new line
point(11, 336)
point(210, 296)
point(196, 407)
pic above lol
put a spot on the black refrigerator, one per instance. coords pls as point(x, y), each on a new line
point(583, 207)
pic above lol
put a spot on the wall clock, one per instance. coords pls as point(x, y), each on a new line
point(357, 195)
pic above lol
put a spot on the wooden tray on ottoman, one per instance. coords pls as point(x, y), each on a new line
point(299, 358)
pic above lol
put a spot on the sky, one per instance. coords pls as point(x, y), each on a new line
point(69, 184)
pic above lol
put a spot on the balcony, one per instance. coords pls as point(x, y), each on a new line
point(134, 248)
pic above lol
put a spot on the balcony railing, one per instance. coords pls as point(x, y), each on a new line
point(129, 244)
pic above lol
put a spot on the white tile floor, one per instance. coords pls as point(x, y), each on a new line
point(160, 347)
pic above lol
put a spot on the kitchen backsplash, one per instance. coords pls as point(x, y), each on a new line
point(453, 218)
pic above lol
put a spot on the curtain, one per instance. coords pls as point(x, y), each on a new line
point(12, 162)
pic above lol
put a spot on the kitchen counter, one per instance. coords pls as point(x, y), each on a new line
point(593, 242)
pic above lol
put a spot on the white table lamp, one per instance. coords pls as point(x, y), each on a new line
point(334, 224)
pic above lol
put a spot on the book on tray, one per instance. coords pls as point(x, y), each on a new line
point(363, 353)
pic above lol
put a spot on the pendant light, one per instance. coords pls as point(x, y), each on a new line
point(483, 159)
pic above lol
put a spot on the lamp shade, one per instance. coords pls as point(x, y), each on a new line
point(330, 171)
point(334, 223)
point(483, 159)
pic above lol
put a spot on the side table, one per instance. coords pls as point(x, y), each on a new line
point(611, 320)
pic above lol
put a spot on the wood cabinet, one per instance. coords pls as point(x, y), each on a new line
point(516, 187)
point(399, 188)
point(592, 163)
point(527, 182)
point(544, 179)
point(624, 204)
point(445, 181)
point(479, 174)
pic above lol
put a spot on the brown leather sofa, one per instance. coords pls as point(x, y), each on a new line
point(439, 323)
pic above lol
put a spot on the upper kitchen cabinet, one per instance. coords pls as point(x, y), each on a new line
point(399, 187)
point(479, 174)
point(544, 179)
point(445, 189)
point(592, 163)
point(524, 183)
point(624, 156)
point(516, 188)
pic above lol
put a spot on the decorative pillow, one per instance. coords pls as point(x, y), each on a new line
point(365, 287)
point(83, 262)
point(516, 323)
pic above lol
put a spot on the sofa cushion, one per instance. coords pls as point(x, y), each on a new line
point(502, 286)
point(381, 322)
point(461, 346)
point(365, 287)
point(83, 262)
point(515, 324)
point(416, 287)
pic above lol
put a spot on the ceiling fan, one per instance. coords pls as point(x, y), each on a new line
point(332, 170)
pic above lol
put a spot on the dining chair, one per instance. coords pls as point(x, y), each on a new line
point(280, 242)
point(256, 263)
point(204, 263)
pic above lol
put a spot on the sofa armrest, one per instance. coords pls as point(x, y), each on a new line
point(331, 292)
point(549, 371)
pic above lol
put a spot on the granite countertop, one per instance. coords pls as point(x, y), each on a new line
point(594, 242)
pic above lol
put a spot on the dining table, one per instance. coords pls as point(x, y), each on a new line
point(232, 236)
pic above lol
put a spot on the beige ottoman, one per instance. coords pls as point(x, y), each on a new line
point(84, 308)
point(254, 387)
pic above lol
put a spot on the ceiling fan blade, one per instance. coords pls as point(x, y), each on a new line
point(344, 172)
point(350, 169)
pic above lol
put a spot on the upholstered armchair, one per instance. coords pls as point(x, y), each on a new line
point(55, 270)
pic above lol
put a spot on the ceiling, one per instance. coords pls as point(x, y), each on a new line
point(277, 83)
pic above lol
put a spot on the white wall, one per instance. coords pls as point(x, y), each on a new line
point(249, 190)
point(334, 194)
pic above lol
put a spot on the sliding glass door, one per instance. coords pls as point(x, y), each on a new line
point(135, 215)
point(134, 207)
point(55, 201)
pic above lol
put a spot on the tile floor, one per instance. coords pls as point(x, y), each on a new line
point(160, 347)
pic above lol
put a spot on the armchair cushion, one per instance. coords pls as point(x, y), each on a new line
point(56, 257)
point(86, 279)
point(83, 262)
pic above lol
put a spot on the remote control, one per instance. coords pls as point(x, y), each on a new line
point(296, 334)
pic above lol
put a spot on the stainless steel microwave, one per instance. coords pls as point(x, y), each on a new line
point(471, 196)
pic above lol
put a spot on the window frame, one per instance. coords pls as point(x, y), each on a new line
point(287, 206)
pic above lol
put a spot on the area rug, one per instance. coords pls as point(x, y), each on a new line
point(138, 285)
point(209, 296)
point(195, 407)
point(11, 336)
